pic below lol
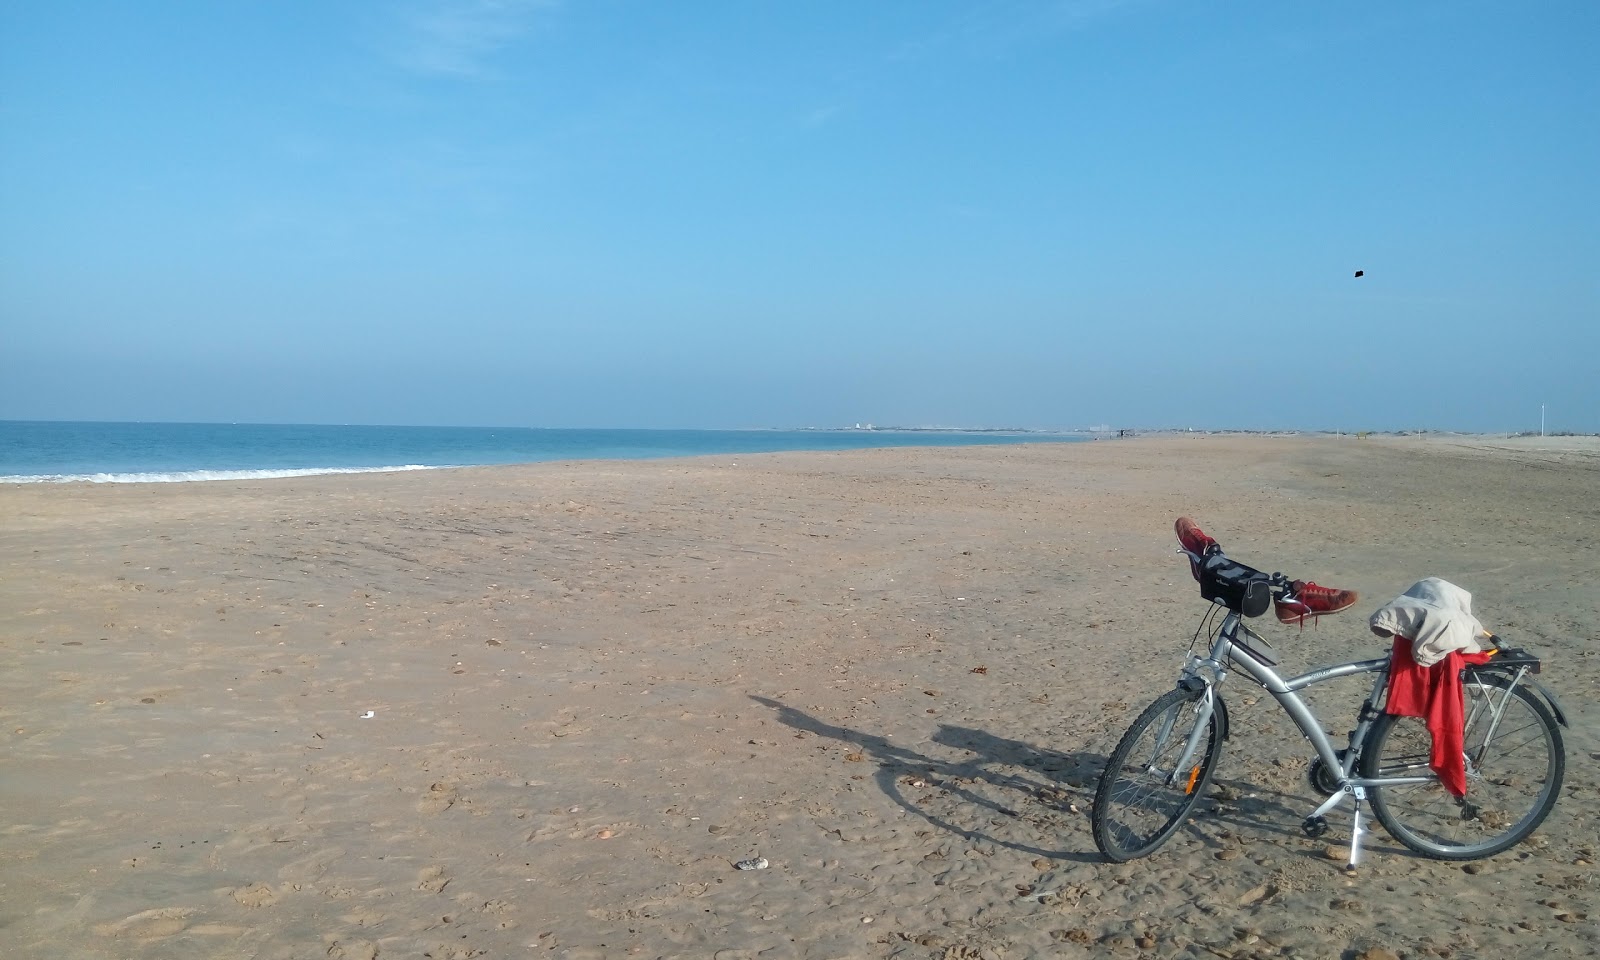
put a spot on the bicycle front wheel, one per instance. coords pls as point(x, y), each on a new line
point(1143, 797)
point(1515, 764)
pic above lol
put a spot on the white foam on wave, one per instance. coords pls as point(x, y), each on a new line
point(194, 476)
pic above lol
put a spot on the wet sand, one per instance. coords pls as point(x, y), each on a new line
point(893, 674)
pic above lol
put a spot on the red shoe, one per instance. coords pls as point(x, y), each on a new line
point(1306, 600)
point(1192, 537)
point(1194, 540)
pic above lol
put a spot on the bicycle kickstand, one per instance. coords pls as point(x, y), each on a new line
point(1357, 794)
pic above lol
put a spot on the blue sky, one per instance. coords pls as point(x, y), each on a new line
point(734, 214)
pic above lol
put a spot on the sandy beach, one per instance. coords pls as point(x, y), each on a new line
point(542, 711)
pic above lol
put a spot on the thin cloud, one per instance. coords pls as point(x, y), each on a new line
point(459, 37)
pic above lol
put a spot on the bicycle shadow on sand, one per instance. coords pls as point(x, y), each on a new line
point(1019, 796)
point(1016, 787)
point(1252, 811)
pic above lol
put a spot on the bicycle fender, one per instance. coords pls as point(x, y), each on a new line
point(1550, 698)
point(1222, 716)
point(1509, 661)
point(1509, 670)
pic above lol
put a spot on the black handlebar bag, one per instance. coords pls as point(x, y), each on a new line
point(1244, 590)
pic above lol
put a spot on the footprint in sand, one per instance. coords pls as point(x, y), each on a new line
point(503, 910)
point(149, 925)
point(255, 895)
point(353, 950)
point(439, 798)
point(432, 879)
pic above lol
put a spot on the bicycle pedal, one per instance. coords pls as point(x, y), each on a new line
point(1314, 827)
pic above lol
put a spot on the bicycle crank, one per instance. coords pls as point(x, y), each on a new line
point(1322, 779)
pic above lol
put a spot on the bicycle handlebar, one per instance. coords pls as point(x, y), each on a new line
point(1223, 580)
point(1199, 546)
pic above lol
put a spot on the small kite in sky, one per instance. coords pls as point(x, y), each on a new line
point(1361, 273)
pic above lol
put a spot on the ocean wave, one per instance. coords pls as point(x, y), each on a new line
point(195, 476)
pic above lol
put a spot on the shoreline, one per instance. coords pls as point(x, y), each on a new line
point(1566, 444)
point(167, 453)
point(595, 685)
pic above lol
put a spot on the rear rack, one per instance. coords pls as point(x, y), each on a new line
point(1511, 658)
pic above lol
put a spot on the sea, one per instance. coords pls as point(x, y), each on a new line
point(75, 452)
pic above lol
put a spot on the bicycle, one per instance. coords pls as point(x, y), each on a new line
point(1514, 753)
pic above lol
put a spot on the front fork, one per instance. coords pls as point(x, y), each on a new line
point(1194, 676)
point(1202, 719)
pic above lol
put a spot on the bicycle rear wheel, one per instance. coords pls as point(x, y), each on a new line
point(1142, 799)
point(1515, 764)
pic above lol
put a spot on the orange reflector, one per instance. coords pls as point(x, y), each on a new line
point(1193, 776)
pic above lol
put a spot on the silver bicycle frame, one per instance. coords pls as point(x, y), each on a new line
point(1224, 650)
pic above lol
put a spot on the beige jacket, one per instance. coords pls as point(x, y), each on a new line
point(1436, 616)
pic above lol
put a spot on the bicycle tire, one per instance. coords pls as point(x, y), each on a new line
point(1136, 808)
point(1511, 786)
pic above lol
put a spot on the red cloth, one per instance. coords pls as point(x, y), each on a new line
point(1434, 694)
